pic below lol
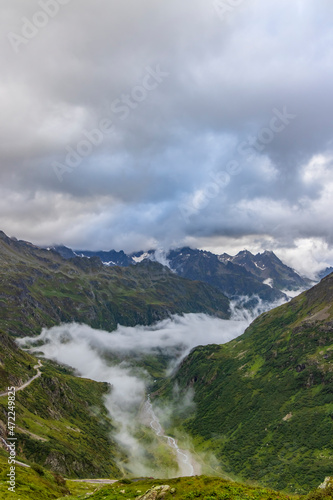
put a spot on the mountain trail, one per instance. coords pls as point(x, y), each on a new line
point(94, 481)
point(28, 382)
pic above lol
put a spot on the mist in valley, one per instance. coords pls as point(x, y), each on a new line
point(123, 358)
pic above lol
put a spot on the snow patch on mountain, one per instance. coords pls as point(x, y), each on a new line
point(141, 257)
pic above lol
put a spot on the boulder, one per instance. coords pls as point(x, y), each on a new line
point(156, 493)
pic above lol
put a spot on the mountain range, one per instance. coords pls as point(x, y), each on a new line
point(262, 275)
point(40, 288)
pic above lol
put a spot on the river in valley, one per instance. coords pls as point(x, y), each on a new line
point(186, 463)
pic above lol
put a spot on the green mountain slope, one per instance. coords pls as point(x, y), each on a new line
point(40, 288)
point(39, 483)
point(16, 366)
point(30, 484)
point(61, 420)
point(264, 402)
point(190, 488)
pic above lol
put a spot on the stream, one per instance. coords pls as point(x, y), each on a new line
point(183, 459)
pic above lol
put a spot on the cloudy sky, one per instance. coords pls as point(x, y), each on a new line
point(135, 124)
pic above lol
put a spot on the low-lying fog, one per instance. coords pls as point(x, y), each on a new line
point(87, 349)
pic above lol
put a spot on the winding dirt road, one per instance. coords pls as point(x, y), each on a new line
point(94, 481)
point(26, 384)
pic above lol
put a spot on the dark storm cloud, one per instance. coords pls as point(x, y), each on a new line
point(182, 90)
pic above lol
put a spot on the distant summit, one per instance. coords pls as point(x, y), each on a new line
point(270, 270)
point(263, 275)
point(325, 272)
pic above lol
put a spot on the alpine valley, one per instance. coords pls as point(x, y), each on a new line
point(170, 375)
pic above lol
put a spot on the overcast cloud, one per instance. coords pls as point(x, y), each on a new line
point(203, 87)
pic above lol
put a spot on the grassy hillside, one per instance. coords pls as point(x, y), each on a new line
point(41, 484)
point(190, 488)
point(30, 484)
point(61, 420)
point(16, 366)
point(40, 288)
point(264, 402)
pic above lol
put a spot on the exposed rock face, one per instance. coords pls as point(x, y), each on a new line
point(328, 483)
point(156, 493)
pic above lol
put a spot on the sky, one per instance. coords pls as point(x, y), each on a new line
point(135, 125)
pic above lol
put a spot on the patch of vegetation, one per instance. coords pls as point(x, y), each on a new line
point(31, 484)
point(16, 366)
point(264, 401)
point(188, 488)
point(63, 425)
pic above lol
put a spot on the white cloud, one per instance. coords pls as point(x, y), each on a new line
point(225, 79)
point(184, 332)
